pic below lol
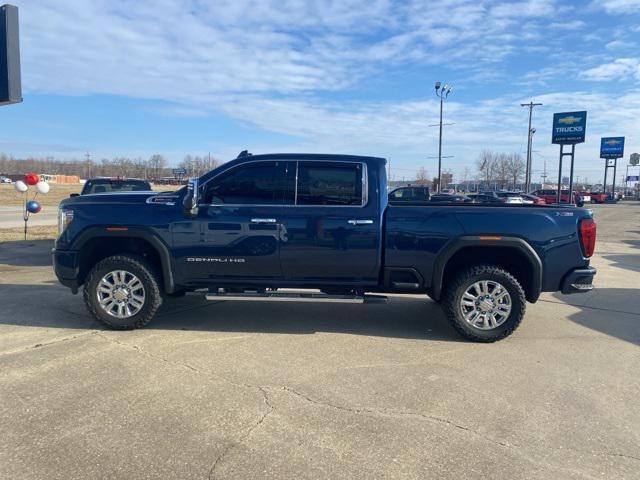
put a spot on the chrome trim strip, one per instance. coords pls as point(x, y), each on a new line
point(360, 222)
point(295, 195)
point(263, 220)
point(151, 200)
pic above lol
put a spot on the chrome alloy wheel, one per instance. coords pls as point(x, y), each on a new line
point(120, 294)
point(485, 305)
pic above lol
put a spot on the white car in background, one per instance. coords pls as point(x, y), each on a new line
point(585, 196)
point(4, 179)
point(507, 197)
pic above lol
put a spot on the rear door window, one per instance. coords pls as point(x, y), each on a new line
point(329, 183)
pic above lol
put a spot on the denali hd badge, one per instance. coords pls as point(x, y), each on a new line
point(215, 260)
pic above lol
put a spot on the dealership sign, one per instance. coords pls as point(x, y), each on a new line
point(569, 127)
point(612, 147)
point(632, 178)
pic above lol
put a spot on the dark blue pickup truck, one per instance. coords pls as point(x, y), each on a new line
point(301, 227)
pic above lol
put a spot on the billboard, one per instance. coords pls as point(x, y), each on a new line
point(569, 127)
point(10, 83)
point(612, 147)
point(633, 178)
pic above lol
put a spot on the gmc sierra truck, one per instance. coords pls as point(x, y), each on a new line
point(302, 227)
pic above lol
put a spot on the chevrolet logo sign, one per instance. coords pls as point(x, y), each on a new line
point(569, 120)
point(612, 142)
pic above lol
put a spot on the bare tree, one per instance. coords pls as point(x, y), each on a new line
point(502, 169)
point(157, 164)
point(516, 168)
point(422, 177)
point(486, 164)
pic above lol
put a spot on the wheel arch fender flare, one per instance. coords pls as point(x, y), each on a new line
point(483, 241)
point(135, 233)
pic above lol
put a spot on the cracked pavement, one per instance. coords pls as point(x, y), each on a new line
point(228, 390)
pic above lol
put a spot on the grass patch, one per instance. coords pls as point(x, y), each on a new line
point(9, 196)
point(39, 232)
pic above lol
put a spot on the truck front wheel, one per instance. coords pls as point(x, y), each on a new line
point(122, 292)
point(484, 303)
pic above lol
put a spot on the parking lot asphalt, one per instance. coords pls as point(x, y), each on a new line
point(270, 390)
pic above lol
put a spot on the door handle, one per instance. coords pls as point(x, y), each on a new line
point(263, 220)
point(360, 222)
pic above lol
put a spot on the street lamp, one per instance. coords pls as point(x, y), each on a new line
point(527, 174)
point(442, 92)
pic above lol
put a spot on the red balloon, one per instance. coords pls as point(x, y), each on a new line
point(31, 178)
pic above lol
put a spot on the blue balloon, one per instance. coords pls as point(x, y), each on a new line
point(33, 206)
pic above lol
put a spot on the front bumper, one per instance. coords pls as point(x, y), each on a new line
point(65, 266)
point(579, 280)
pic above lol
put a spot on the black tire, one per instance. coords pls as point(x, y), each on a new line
point(452, 297)
point(140, 268)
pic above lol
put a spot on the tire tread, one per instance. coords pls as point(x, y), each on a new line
point(154, 296)
point(450, 305)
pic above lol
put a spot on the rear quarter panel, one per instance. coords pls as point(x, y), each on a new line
point(415, 236)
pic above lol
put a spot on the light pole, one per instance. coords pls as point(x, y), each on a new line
point(527, 173)
point(442, 93)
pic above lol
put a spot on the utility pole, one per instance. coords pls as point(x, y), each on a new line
point(442, 94)
point(530, 132)
point(544, 174)
point(87, 158)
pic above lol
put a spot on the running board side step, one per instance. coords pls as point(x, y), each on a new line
point(295, 296)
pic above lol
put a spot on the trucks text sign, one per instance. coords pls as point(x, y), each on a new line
point(569, 127)
point(612, 147)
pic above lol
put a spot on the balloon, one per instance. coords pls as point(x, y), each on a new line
point(42, 187)
point(31, 178)
point(33, 206)
point(20, 186)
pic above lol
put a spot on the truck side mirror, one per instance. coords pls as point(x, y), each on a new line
point(191, 199)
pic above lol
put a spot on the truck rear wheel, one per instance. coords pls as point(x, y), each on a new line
point(484, 303)
point(122, 292)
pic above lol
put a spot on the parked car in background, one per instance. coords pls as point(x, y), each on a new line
point(598, 197)
point(4, 179)
point(531, 199)
point(446, 197)
point(482, 198)
point(550, 196)
point(506, 197)
point(114, 185)
point(448, 191)
point(409, 194)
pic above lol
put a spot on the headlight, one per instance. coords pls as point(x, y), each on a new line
point(64, 219)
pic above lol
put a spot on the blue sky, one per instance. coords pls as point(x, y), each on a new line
point(134, 78)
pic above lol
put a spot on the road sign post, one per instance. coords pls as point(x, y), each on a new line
point(569, 128)
point(611, 149)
